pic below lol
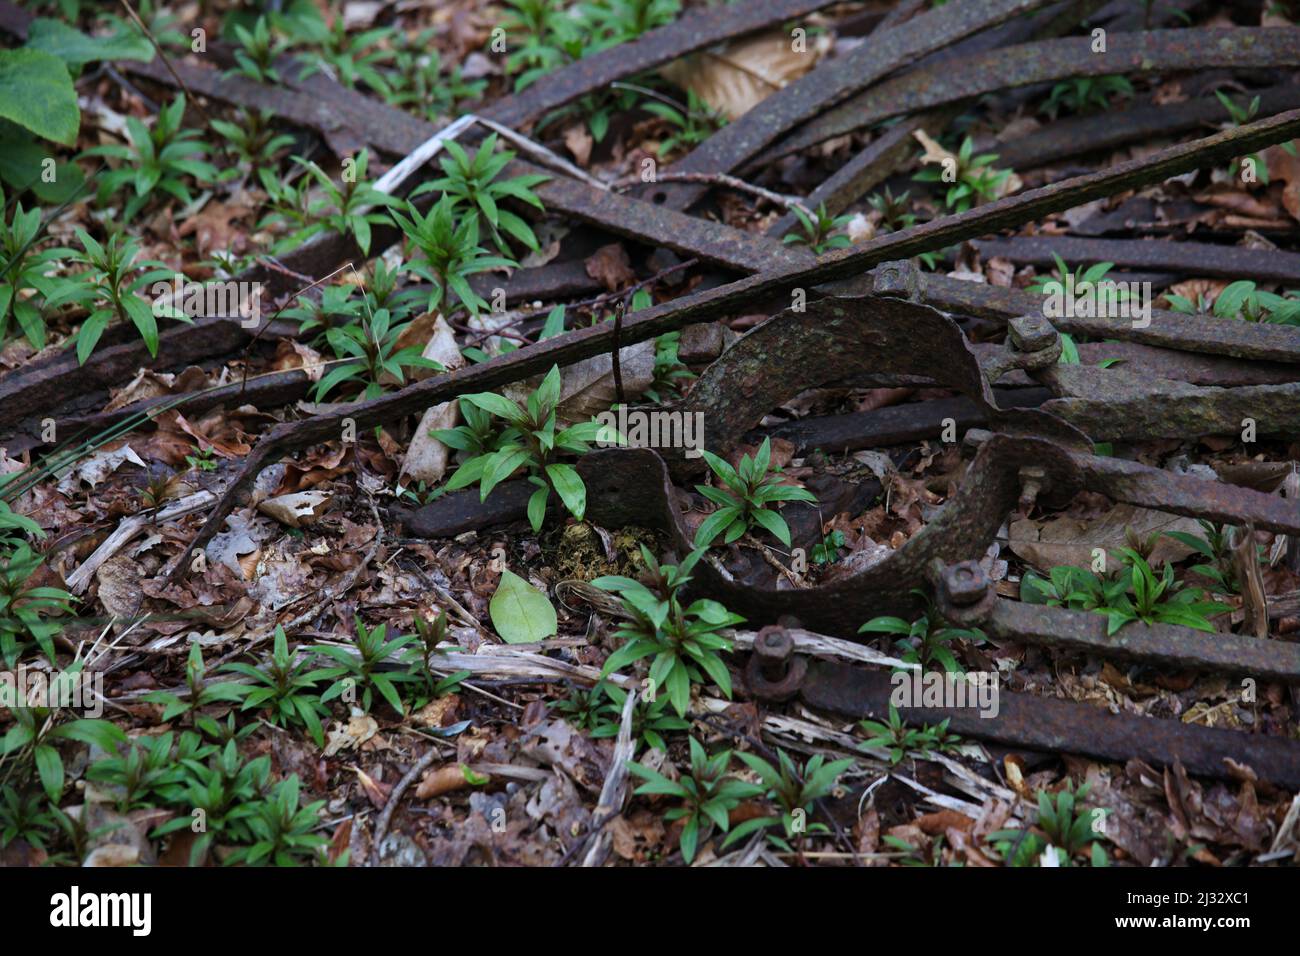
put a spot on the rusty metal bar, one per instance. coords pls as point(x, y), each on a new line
point(1182, 647)
point(1058, 726)
point(1077, 135)
point(1182, 258)
point(1128, 481)
point(1157, 51)
point(732, 146)
point(1171, 330)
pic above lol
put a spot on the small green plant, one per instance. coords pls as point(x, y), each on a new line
point(252, 139)
point(927, 640)
point(1083, 94)
point(532, 442)
point(1245, 301)
point(691, 125)
point(599, 710)
point(29, 817)
point(346, 207)
point(828, 551)
point(24, 284)
point(1080, 279)
point(201, 692)
point(898, 740)
point(161, 158)
point(451, 253)
point(26, 608)
point(683, 641)
point(32, 739)
point(1240, 116)
point(362, 667)
point(352, 58)
point(1215, 544)
point(431, 634)
point(1063, 824)
point(145, 769)
point(1132, 593)
point(282, 829)
point(479, 436)
point(707, 793)
point(226, 790)
point(257, 52)
point(111, 287)
point(669, 371)
point(970, 178)
point(819, 230)
point(336, 302)
point(794, 790)
point(749, 491)
point(419, 83)
point(473, 186)
point(893, 210)
point(285, 686)
point(369, 350)
point(204, 459)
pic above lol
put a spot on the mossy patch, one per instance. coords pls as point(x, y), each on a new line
point(578, 552)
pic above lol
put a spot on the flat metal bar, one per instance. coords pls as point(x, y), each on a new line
point(1156, 51)
point(1059, 726)
point(1180, 647)
point(1182, 258)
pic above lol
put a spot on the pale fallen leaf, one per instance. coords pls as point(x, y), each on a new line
point(360, 728)
point(1066, 540)
point(97, 467)
point(296, 509)
point(426, 457)
point(734, 78)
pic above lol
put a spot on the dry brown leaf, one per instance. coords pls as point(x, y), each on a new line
point(426, 458)
point(740, 75)
point(445, 779)
point(1066, 540)
point(610, 266)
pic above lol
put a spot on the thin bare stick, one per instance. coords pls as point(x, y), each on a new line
point(166, 62)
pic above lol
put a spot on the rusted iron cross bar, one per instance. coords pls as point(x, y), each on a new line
point(1059, 726)
point(714, 303)
point(1030, 63)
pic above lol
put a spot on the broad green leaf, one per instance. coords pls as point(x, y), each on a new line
point(37, 93)
point(75, 48)
point(521, 613)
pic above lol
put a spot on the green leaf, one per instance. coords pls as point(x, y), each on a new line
point(570, 488)
point(75, 48)
point(37, 93)
point(521, 613)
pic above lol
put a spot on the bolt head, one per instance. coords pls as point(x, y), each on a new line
point(897, 280)
point(1031, 333)
point(964, 583)
point(773, 645)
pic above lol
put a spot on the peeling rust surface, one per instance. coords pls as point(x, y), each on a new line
point(1157, 51)
point(1181, 258)
point(1058, 726)
point(739, 141)
point(1154, 643)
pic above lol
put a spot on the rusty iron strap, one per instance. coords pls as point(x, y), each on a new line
point(1182, 258)
point(1059, 726)
point(699, 29)
point(1128, 481)
point(1069, 138)
point(1159, 51)
point(1154, 643)
point(714, 303)
point(1171, 330)
point(736, 143)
